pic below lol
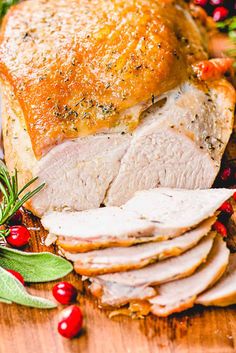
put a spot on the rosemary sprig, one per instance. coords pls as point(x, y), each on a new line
point(11, 199)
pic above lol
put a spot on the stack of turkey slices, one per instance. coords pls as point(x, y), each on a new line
point(158, 251)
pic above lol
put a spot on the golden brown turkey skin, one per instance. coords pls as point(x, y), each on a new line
point(77, 67)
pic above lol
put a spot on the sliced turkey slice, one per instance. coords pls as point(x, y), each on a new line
point(113, 294)
point(181, 294)
point(164, 271)
point(223, 293)
point(153, 215)
point(122, 258)
point(176, 210)
point(80, 246)
point(96, 228)
point(112, 286)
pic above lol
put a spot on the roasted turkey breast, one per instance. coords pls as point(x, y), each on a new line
point(101, 99)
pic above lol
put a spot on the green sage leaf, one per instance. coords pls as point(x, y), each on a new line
point(5, 301)
point(12, 290)
point(5, 5)
point(35, 267)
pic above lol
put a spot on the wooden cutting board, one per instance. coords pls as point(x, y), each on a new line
point(26, 330)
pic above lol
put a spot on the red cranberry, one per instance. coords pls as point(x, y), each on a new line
point(234, 196)
point(226, 207)
point(64, 292)
point(200, 2)
point(16, 218)
point(216, 2)
point(220, 13)
point(71, 320)
point(17, 275)
point(19, 236)
point(226, 174)
point(220, 228)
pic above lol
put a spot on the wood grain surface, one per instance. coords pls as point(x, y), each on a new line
point(26, 330)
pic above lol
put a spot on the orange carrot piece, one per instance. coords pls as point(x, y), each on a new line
point(212, 69)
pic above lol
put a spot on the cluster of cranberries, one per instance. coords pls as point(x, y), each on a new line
point(218, 9)
point(226, 178)
point(71, 318)
point(226, 210)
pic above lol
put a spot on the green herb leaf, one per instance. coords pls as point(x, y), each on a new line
point(11, 201)
point(229, 26)
point(4, 6)
point(5, 301)
point(232, 35)
point(12, 290)
point(35, 267)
